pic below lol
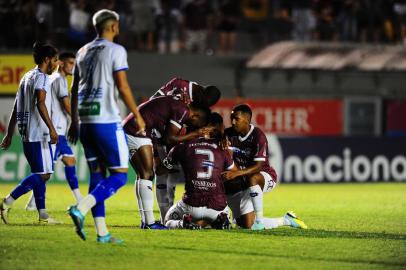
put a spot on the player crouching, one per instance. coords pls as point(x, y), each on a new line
point(204, 201)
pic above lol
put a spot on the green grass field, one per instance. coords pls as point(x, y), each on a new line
point(352, 226)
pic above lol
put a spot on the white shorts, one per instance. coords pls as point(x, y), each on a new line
point(177, 211)
point(240, 203)
point(135, 143)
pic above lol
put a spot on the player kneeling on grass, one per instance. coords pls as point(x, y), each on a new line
point(164, 117)
point(204, 201)
point(254, 177)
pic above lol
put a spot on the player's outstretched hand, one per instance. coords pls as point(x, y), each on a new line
point(54, 136)
point(6, 142)
point(73, 133)
point(229, 175)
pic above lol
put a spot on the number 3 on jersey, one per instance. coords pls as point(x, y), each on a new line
point(207, 163)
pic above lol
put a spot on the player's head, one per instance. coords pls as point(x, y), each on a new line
point(241, 117)
point(216, 121)
point(45, 55)
point(66, 62)
point(212, 94)
point(198, 115)
point(205, 95)
point(106, 20)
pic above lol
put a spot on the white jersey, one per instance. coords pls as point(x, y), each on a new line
point(30, 124)
point(59, 90)
point(95, 63)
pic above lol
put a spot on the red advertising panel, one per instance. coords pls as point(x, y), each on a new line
point(395, 117)
point(291, 117)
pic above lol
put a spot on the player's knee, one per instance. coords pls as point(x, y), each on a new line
point(45, 177)
point(255, 179)
point(120, 179)
point(147, 175)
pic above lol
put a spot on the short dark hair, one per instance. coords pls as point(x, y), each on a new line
point(215, 118)
point(206, 111)
point(244, 108)
point(66, 55)
point(41, 51)
point(212, 94)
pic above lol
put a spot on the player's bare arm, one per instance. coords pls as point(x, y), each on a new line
point(6, 142)
point(43, 111)
point(73, 132)
point(124, 89)
point(228, 175)
point(65, 102)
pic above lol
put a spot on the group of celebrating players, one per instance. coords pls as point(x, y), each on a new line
point(172, 136)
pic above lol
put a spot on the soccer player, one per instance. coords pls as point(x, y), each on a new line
point(203, 160)
point(101, 67)
point(164, 118)
point(31, 114)
point(189, 91)
point(255, 175)
point(60, 109)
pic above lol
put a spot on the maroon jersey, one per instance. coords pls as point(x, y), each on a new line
point(250, 149)
point(202, 161)
point(157, 114)
point(176, 87)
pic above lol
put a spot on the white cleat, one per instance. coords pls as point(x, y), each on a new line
point(4, 210)
point(49, 221)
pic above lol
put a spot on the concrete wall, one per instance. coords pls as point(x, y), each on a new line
point(150, 71)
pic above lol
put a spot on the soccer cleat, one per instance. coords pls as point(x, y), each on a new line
point(109, 239)
point(79, 220)
point(4, 209)
point(294, 220)
point(258, 226)
point(187, 223)
point(222, 222)
point(154, 226)
point(49, 221)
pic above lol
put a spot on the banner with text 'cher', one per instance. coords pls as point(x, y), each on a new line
point(291, 117)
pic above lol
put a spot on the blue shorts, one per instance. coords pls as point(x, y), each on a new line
point(105, 143)
point(40, 156)
point(62, 148)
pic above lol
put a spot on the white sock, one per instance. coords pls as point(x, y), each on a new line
point(256, 196)
point(86, 204)
point(162, 195)
point(77, 194)
point(171, 188)
point(31, 201)
point(145, 197)
point(101, 227)
point(43, 213)
point(174, 224)
point(272, 223)
point(8, 201)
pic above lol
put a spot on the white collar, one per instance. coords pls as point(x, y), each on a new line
point(247, 135)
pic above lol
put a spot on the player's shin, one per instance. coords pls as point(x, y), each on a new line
point(70, 174)
point(25, 186)
point(256, 196)
point(39, 195)
point(162, 195)
point(145, 198)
